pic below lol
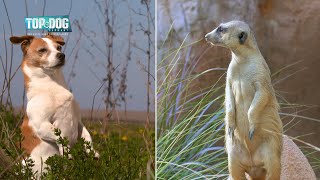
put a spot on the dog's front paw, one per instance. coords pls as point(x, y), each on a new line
point(96, 155)
point(70, 157)
point(60, 149)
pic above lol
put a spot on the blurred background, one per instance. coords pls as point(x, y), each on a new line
point(287, 33)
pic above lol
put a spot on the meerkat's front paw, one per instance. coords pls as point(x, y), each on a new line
point(231, 131)
point(251, 132)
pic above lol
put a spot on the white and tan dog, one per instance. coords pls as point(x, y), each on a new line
point(50, 104)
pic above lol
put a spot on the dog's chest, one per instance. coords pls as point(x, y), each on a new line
point(65, 108)
point(66, 115)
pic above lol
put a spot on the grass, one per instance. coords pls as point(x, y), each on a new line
point(123, 153)
point(189, 133)
point(190, 127)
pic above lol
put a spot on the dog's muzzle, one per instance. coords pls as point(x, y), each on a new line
point(61, 58)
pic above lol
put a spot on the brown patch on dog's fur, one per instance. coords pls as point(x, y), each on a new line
point(30, 139)
point(33, 58)
point(24, 40)
point(30, 46)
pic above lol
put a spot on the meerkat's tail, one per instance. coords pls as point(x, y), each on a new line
point(245, 142)
point(257, 172)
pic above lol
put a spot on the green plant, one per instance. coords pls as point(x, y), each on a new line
point(11, 155)
point(123, 153)
point(189, 133)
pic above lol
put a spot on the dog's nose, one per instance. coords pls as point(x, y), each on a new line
point(60, 56)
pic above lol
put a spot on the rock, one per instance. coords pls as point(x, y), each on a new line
point(294, 165)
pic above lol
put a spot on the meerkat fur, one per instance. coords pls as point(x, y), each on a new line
point(253, 126)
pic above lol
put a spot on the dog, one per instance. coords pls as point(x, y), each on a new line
point(50, 104)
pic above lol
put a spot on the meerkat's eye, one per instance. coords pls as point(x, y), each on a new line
point(59, 48)
point(221, 29)
point(42, 50)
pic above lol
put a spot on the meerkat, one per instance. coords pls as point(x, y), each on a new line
point(253, 137)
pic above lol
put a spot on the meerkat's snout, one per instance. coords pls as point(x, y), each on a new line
point(210, 38)
point(215, 36)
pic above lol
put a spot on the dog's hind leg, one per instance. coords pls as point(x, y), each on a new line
point(84, 133)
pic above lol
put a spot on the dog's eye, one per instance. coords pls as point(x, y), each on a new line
point(42, 50)
point(59, 48)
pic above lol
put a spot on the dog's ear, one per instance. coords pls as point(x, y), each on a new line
point(24, 40)
point(57, 39)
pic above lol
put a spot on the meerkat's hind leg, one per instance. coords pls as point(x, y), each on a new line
point(236, 170)
point(273, 167)
point(271, 160)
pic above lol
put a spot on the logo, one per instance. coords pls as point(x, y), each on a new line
point(49, 23)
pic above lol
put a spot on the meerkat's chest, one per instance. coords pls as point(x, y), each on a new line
point(241, 80)
point(243, 91)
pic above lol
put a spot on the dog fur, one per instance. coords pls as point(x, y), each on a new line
point(50, 104)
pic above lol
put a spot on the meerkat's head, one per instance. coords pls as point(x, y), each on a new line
point(233, 35)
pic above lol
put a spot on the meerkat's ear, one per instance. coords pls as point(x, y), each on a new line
point(57, 39)
point(24, 40)
point(242, 37)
